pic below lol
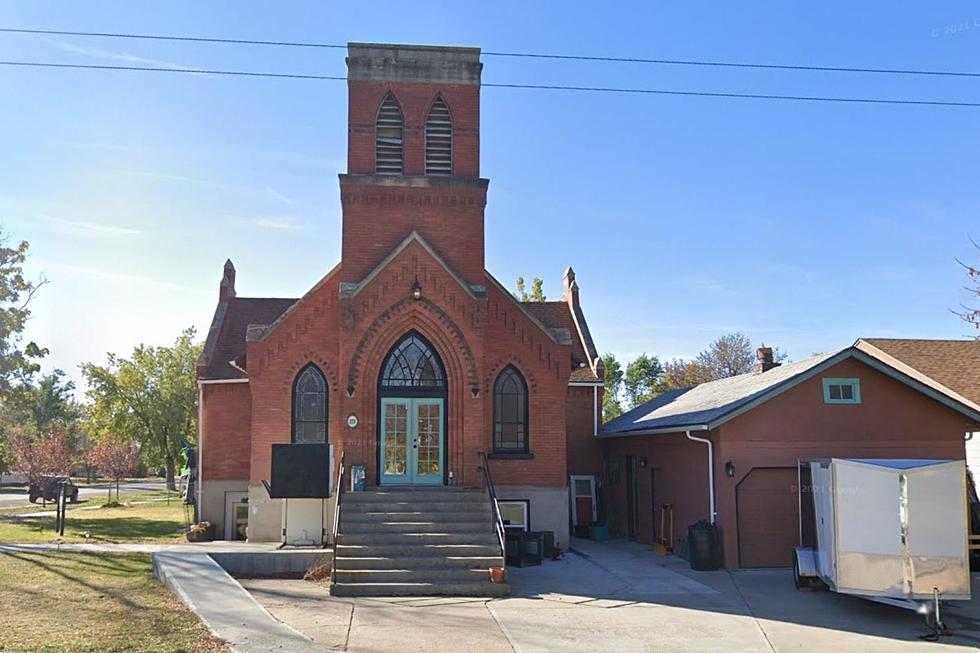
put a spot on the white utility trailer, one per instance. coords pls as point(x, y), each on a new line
point(893, 531)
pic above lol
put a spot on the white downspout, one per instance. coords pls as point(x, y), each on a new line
point(595, 410)
point(711, 472)
point(198, 491)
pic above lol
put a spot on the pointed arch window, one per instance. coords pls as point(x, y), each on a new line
point(310, 406)
point(413, 363)
point(388, 142)
point(510, 412)
point(439, 139)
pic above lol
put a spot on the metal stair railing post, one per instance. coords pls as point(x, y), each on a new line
point(335, 529)
point(498, 520)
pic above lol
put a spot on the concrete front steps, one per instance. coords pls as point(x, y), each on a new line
point(416, 542)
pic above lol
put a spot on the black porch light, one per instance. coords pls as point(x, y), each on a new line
point(730, 469)
point(416, 290)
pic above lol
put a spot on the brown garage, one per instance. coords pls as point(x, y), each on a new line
point(743, 435)
point(767, 512)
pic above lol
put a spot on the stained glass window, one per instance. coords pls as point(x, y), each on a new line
point(510, 412)
point(413, 364)
point(310, 406)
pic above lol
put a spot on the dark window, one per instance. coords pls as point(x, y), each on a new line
point(388, 144)
point(413, 364)
point(439, 139)
point(510, 412)
point(310, 406)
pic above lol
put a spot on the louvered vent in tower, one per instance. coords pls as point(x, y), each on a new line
point(388, 148)
point(439, 140)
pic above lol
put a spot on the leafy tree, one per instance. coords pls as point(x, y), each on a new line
point(150, 397)
point(47, 403)
point(642, 379)
point(729, 355)
point(115, 457)
point(16, 293)
point(679, 373)
point(48, 453)
point(537, 290)
point(613, 381)
point(971, 314)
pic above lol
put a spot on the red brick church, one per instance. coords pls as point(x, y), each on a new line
point(408, 357)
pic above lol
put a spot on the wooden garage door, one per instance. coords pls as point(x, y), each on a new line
point(768, 522)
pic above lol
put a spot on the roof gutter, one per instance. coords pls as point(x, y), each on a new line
point(711, 473)
point(666, 429)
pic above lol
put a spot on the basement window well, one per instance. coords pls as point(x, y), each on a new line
point(841, 391)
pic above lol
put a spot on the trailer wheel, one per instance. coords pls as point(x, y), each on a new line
point(798, 580)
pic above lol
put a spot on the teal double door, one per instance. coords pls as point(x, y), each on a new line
point(412, 441)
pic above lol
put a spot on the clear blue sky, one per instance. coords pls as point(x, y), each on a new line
point(803, 225)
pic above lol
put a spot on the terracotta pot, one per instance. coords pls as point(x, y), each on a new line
point(498, 575)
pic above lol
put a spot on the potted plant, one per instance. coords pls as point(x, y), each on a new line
point(498, 575)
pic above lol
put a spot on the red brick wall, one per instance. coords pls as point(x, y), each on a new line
point(415, 99)
point(377, 218)
point(512, 339)
point(227, 436)
point(475, 337)
point(308, 334)
point(583, 450)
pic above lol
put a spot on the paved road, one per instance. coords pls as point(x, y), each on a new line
point(12, 497)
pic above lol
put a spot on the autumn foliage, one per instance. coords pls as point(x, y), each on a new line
point(48, 453)
point(114, 457)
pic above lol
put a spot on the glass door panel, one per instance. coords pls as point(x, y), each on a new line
point(428, 441)
point(395, 426)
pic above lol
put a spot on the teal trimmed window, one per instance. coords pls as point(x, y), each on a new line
point(841, 391)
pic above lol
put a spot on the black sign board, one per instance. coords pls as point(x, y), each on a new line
point(300, 471)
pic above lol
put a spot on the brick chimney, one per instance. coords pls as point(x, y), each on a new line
point(763, 360)
point(226, 290)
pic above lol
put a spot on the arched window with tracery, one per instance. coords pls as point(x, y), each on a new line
point(510, 412)
point(310, 406)
point(413, 363)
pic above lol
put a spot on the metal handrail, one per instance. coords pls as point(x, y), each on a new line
point(335, 529)
point(498, 520)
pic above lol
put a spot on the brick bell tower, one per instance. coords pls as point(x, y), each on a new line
point(413, 156)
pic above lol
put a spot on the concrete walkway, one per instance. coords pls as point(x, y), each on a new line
point(225, 607)
point(617, 596)
point(108, 547)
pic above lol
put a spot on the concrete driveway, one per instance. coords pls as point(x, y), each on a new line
point(11, 497)
point(617, 596)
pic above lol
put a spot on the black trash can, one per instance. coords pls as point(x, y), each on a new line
point(702, 545)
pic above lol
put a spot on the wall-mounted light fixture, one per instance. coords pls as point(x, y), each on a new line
point(730, 469)
point(416, 290)
point(643, 461)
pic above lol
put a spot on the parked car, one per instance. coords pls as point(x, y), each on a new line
point(50, 487)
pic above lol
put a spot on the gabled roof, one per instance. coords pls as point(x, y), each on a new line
point(352, 289)
point(953, 364)
point(226, 339)
point(557, 315)
point(709, 405)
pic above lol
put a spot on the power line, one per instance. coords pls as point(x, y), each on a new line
point(547, 87)
point(528, 55)
point(191, 71)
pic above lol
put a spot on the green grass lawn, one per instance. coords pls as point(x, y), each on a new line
point(88, 602)
point(140, 522)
